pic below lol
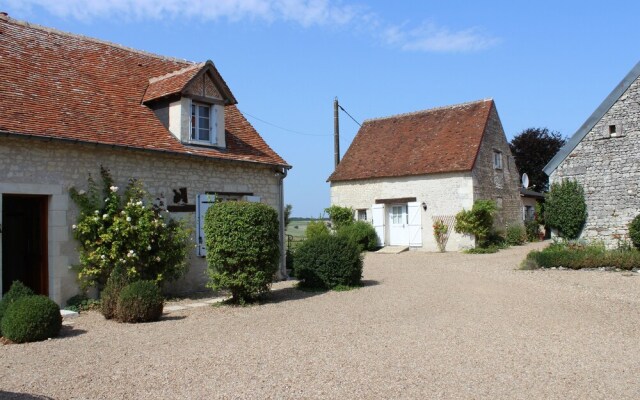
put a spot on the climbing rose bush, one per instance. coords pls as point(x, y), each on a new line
point(115, 230)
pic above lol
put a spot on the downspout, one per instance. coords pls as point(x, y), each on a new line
point(282, 271)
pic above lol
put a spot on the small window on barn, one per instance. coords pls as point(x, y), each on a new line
point(613, 130)
point(497, 159)
point(362, 215)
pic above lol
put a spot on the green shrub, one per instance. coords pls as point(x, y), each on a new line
point(582, 256)
point(483, 250)
point(496, 239)
point(478, 221)
point(243, 250)
point(532, 228)
point(111, 292)
point(340, 216)
point(81, 302)
point(361, 233)
point(316, 228)
point(441, 234)
point(32, 318)
point(115, 230)
point(565, 208)
point(634, 232)
point(140, 301)
point(515, 235)
point(17, 291)
point(328, 261)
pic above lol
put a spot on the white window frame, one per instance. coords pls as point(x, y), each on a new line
point(497, 159)
point(362, 214)
point(194, 123)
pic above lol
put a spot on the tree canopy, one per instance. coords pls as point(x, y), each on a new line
point(532, 149)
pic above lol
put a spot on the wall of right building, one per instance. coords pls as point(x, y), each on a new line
point(607, 165)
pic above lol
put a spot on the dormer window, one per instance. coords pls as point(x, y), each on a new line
point(202, 122)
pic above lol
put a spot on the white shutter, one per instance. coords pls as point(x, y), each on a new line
point(203, 202)
point(415, 224)
point(251, 199)
point(377, 219)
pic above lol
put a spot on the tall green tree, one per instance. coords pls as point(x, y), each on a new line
point(532, 149)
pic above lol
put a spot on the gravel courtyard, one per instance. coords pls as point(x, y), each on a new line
point(425, 326)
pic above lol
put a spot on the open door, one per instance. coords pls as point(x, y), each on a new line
point(24, 242)
point(377, 219)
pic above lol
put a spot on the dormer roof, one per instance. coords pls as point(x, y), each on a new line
point(176, 83)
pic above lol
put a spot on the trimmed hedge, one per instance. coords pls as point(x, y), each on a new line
point(31, 319)
point(17, 291)
point(578, 257)
point(243, 249)
point(140, 301)
point(328, 261)
point(565, 208)
point(361, 233)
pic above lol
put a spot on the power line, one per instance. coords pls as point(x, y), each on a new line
point(346, 112)
point(284, 129)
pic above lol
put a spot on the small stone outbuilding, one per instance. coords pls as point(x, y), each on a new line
point(604, 157)
point(405, 172)
point(69, 104)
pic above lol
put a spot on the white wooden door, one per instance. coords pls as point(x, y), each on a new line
point(377, 220)
point(398, 225)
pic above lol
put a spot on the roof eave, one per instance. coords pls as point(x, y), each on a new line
point(593, 119)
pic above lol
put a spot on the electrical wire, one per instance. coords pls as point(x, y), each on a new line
point(284, 129)
point(346, 112)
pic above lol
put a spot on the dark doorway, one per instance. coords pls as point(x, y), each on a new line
point(24, 242)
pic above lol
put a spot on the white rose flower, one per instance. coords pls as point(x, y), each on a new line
point(105, 216)
point(149, 247)
point(81, 192)
point(157, 258)
point(128, 219)
point(103, 256)
point(113, 188)
point(74, 226)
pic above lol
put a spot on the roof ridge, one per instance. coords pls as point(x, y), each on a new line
point(177, 72)
point(8, 19)
point(429, 110)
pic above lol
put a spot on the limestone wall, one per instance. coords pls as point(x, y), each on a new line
point(50, 168)
point(607, 165)
point(444, 194)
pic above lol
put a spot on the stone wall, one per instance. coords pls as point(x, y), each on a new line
point(501, 185)
point(29, 166)
point(607, 166)
point(444, 194)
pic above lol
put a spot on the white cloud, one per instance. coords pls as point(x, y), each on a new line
point(428, 37)
point(432, 38)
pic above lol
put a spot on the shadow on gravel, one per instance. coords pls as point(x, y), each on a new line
point(294, 293)
point(65, 332)
point(22, 396)
point(172, 318)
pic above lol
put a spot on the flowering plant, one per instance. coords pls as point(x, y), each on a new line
point(440, 231)
point(115, 230)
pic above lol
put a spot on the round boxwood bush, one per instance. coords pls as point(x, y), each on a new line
point(361, 233)
point(565, 208)
point(32, 318)
point(16, 291)
point(634, 231)
point(140, 301)
point(243, 248)
point(328, 261)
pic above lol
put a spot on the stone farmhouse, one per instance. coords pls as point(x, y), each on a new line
point(69, 104)
point(604, 157)
point(405, 172)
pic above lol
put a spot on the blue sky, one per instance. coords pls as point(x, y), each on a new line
point(545, 63)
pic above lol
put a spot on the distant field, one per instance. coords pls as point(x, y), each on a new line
point(297, 228)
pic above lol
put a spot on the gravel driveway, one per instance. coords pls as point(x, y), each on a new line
point(425, 326)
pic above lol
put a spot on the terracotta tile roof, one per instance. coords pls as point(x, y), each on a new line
point(64, 86)
point(445, 139)
point(171, 83)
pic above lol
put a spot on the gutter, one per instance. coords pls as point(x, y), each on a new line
point(282, 271)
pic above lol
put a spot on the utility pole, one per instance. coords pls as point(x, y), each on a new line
point(336, 133)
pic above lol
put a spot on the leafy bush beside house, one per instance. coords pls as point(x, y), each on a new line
point(125, 231)
point(477, 222)
point(515, 235)
point(243, 249)
point(572, 256)
point(316, 228)
point(361, 233)
point(565, 208)
point(634, 232)
point(140, 301)
point(340, 216)
point(16, 291)
point(31, 319)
